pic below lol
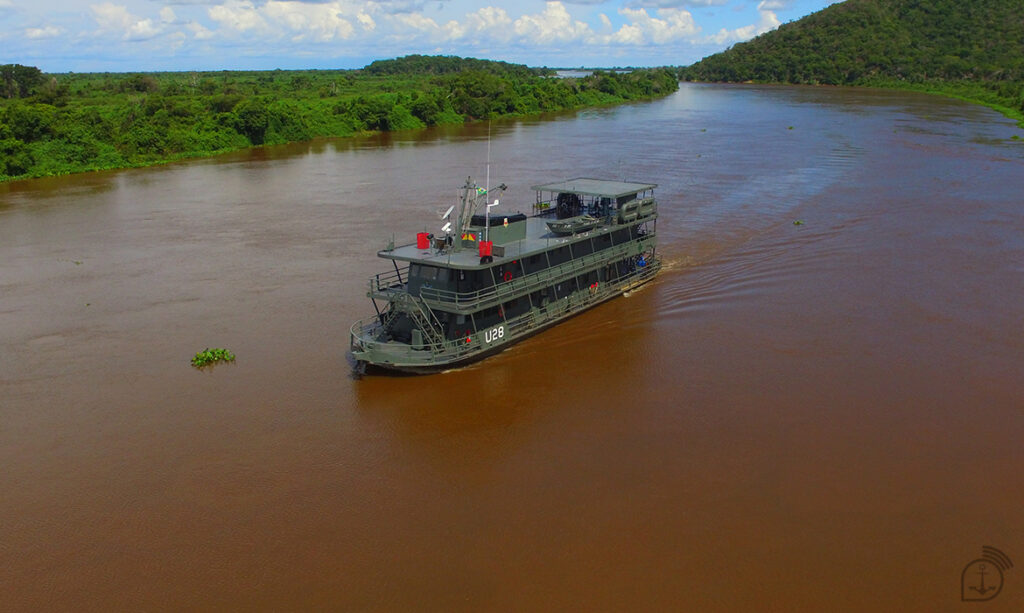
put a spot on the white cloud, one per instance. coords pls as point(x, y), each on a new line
point(320, 22)
point(176, 40)
point(395, 7)
point(413, 25)
point(418, 22)
point(628, 34)
point(666, 4)
point(44, 32)
point(226, 32)
point(366, 22)
point(553, 25)
point(199, 31)
point(116, 19)
point(767, 22)
point(237, 15)
point(669, 25)
point(488, 23)
point(489, 19)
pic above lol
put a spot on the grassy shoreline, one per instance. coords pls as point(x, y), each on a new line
point(196, 155)
point(967, 92)
point(66, 124)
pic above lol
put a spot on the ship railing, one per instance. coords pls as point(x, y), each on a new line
point(468, 302)
point(365, 333)
point(391, 281)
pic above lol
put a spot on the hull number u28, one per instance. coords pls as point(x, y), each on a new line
point(494, 334)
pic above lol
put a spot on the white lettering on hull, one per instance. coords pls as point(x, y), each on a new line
point(494, 334)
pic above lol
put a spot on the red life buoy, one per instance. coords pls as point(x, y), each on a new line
point(508, 275)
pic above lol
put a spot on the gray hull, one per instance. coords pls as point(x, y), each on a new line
point(399, 358)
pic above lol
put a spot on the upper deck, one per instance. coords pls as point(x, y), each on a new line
point(515, 236)
point(538, 238)
point(600, 188)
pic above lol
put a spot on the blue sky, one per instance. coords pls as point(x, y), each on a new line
point(149, 35)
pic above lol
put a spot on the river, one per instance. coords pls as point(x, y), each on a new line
point(793, 417)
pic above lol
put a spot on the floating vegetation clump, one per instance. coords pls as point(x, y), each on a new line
point(209, 356)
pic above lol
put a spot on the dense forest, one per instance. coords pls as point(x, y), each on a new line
point(62, 123)
point(972, 50)
point(433, 64)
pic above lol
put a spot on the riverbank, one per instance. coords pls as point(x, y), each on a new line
point(73, 123)
point(961, 90)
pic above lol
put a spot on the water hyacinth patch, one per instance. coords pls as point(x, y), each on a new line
point(209, 356)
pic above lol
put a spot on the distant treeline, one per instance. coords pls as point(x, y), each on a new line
point(973, 50)
point(65, 123)
point(447, 64)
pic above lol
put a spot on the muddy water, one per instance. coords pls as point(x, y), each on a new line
point(825, 416)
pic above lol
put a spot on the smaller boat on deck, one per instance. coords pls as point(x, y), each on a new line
point(573, 225)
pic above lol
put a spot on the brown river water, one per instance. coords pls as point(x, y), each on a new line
point(816, 417)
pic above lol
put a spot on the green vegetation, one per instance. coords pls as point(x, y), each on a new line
point(209, 356)
point(65, 123)
point(434, 64)
point(969, 50)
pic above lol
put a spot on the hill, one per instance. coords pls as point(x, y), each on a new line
point(448, 64)
point(972, 50)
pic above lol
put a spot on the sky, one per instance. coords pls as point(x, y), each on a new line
point(156, 35)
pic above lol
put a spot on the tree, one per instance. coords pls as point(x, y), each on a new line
point(15, 157)
point(253, 119)
point(30, 122)
point(17, 81)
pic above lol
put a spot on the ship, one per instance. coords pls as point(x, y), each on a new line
point(489, 279)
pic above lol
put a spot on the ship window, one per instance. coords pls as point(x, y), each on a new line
point(430, 273)
point(461, 319)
